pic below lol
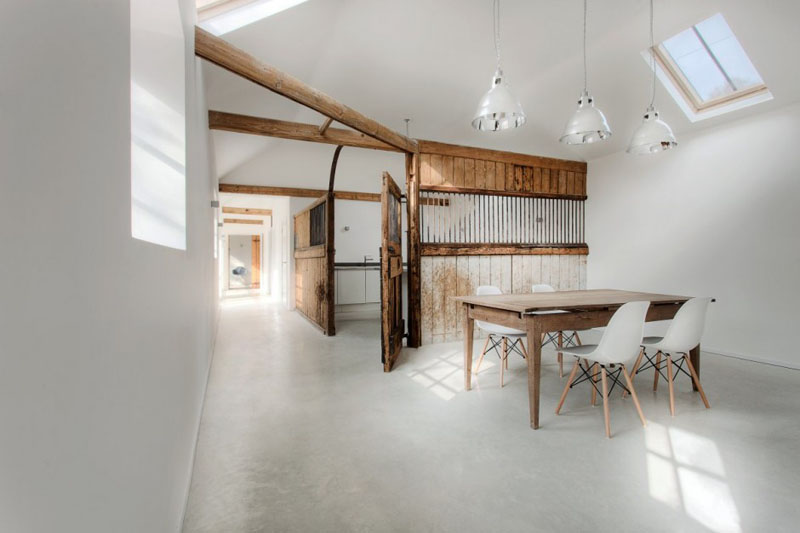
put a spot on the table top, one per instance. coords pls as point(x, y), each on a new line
point(567, 300)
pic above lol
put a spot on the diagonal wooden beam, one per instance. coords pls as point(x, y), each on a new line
point(218, 120)
point(325, 125)
point(227, 56)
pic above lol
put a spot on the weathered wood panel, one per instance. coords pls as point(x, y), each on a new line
point(445, 277)
point(314, 282)
point(491, 175)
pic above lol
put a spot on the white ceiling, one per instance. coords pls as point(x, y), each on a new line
point(432, 60)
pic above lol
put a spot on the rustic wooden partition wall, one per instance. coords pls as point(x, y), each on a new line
point(314, 263)
point(495, 218)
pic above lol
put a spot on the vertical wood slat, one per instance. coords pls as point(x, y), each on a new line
point(469, 173)
point(425, 169)
point(447, 171)
point(458, 171)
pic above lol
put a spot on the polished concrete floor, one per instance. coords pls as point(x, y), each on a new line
point(306, 433)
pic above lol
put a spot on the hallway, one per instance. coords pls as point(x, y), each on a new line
point(302, 432)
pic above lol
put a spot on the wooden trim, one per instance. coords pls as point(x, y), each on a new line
point(501, 249)
point(298, 192)
point(242, 221)
point(296, 131)
point(310, 252)
point(227, 56)
point(433, 147)
point(525, 194)
point(247, 211)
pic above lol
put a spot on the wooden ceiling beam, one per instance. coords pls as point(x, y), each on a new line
point(297, 192)
point(227, 56)
point(243, 221)
point(219, 120)
point(247, 211)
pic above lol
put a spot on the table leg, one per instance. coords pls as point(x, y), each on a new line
point(694, 357)
point(469, 328)
point(534, 368)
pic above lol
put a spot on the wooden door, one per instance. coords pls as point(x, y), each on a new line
point(392, 326)
point(255, 250)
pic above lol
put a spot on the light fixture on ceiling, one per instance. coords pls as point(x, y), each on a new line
point(498, 109)
point(588, 124)
point(653, 134)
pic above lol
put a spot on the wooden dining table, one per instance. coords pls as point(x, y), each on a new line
point(533, 314)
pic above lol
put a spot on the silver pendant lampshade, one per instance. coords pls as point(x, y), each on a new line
point(498, 109)
point(588, 124)
point(653, 135)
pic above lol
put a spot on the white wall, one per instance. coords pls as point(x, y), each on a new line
point(718, 216)
point(106, 339)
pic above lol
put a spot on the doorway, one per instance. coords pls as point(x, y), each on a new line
point(244, 262)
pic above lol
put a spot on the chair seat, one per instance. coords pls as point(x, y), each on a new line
point(580, 351)
point(651, 341)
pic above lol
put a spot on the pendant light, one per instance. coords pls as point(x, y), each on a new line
point(498, 109)
point(588, 124)
point(653, 135)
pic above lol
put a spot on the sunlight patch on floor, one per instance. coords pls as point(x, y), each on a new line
point(685, 472)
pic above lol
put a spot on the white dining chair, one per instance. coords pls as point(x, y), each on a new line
point(558, 339)
point(499, 337)
point(619, 345)
point(682, 336)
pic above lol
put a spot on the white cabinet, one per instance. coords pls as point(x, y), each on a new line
point(350, 287)
point(373, 286)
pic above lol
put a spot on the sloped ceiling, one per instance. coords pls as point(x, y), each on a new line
point(432, 60)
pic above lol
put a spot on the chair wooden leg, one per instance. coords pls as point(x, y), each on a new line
point(635, 367)
point(658, 367)
point(524, 351)
point(503, 360)
point(560, 355)
point(569, 382)
point(483, 352)
point(578, 339)
point(671, 386)
point(696, 380)
point(635, 398)
point(595, 371)
point(605, 401)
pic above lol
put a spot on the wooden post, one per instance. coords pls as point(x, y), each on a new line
point(414, 265)
point(330, 251)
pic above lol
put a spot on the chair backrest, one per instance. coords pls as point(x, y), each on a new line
point(487, 290)
point(542, 287)
point(623, 336)
point(686, 329)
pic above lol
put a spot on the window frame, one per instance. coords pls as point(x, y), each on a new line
point(685, 88)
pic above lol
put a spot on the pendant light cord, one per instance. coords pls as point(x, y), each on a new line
point(585, 84)
point(496, 13)
point(652, 57)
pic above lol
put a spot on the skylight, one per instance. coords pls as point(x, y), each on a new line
point(224, 16)
point(710, 70)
